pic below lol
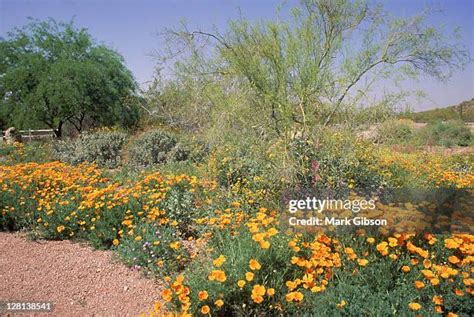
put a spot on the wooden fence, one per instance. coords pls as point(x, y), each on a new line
point(30, 135)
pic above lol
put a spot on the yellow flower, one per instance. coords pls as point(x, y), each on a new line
point(270, 291)
point(249, 276)
point(294, 297)
point(264, 244)
point(203, 295)
point(454, 259)
point(217, 275)
point(370, 240)
point(138, 238)
point(205, 310)
point(434, 281)
point(254, 265)
point(115, 242)
point(174, 245)
point(406, 269)
point(241, 283)
point(341, 304)
point(438, 300)
point(258, 290)
point(219, 303)
point(167, 295)
point(219, 261)
point(60, 228)
point(419, 284)
point(362, 262)
point(414, 306)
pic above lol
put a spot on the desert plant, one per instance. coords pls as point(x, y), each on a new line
point(156, 147)
point(448, 133)
point(395, 131)
point(102, 147)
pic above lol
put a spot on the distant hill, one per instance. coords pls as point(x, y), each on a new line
point(463, 111)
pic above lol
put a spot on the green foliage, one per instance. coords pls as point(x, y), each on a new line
point(156, 147)
point(152, 252)
point(463, 111)
point(282, 76)
point(103, 148)
point(335, 160)
point(449, 133)
point(35, 151)
point(395, 132)
point(53, 73)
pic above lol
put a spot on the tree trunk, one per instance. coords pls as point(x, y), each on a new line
point(58, 132)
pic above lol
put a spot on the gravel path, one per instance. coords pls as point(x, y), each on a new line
point(78, 280)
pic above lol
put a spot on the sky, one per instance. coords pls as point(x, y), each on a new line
point(132, 27)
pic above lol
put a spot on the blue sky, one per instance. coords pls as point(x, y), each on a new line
point(131, 27)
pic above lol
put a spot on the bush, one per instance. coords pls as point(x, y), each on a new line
point(448, 133)
point(395, 132)
point(103, 148)
point(156, 147)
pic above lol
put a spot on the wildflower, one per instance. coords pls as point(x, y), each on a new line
point(382, 247)
point(258, 290)
point(219, 303)
point(60, 228)
point(249, 276)
point(270, 291)
point(370, 240)
point(115, 242)
point(414, 306)
point(254, 265)
point(167, 295)
point(419, 284)
point(438, 300)
point(217, 275)
point(294, 297)
point(362, 262)
point(453, 259)
point(138, 238)
point(205, 310)
point(341, 304)
point(219, 261)
point(203, 295)
point(241, 283)
point(405, 269)
point(434, 281)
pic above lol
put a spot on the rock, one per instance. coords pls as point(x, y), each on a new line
point(12, 136)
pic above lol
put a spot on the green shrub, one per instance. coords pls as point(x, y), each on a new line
point(35, 151)
point(156, 147)
point(103, 148)
point(448, 133)
point(395, 132)
point(335, 160)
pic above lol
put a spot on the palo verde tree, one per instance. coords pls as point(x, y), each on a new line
point(52, 73)
point(300, 72)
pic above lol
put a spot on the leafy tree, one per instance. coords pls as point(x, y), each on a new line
point(53, 73)
point(302, 71)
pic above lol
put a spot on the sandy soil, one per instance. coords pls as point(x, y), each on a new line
point(77, 279)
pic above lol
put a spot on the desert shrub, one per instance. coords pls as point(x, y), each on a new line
point(335, 160)
point(103, 148)
point(35, 151)
point(448, 133)
point(395, 132)
point(156, 147)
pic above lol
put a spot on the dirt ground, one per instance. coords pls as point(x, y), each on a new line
point(77, 279)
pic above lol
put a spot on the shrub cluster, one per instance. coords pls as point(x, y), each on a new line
point(156, 147)
point(103, 148)
point(448, 133)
